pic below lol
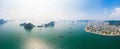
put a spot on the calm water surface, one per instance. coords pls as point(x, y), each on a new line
point(64, 35)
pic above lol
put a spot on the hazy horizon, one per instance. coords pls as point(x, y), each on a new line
point(60, 9)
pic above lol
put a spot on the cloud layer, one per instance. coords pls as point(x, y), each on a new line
point(59, 9)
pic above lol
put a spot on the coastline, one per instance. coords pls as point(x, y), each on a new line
point(99, 33)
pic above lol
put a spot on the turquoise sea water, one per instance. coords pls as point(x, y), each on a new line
point(64, 35)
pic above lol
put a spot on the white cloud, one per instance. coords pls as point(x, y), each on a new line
point(38, 9)
point(105, 11)
point(116, 12)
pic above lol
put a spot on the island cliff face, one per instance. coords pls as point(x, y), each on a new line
point(104, 28)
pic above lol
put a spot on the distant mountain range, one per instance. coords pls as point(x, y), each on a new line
point(113, 22)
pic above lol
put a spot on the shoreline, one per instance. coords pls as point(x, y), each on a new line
point(99, 33)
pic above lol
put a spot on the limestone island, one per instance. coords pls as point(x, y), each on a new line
point(50, 24)
point(2, 21)
point(27, 25)
point(107, 28)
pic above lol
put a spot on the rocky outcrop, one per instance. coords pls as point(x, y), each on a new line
point(52, 23)
point(27, 25)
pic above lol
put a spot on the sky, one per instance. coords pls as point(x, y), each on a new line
point(60, 9)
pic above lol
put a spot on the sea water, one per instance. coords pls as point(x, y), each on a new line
point(64, 35)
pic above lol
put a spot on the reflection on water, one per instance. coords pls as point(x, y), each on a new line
point(28, 30)
point(34, 43)
point(67, 35)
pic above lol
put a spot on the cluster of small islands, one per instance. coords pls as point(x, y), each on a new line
point(107, 28)
point(31, 26)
